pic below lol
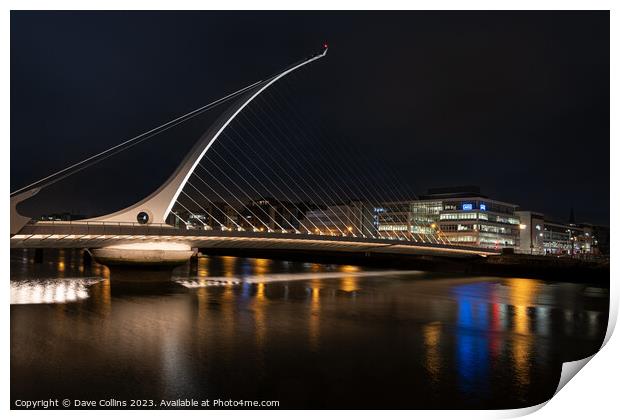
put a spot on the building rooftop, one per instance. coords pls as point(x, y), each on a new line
point(453, 192)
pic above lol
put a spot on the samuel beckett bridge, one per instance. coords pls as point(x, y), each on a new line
point(226, 194)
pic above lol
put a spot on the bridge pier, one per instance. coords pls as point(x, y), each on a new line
point(149, 254)
point(142, 267)
point(138, 275)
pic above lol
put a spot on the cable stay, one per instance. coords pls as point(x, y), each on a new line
point(86, 163)
point(289, 159)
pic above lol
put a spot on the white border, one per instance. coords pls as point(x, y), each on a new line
point(593, 394)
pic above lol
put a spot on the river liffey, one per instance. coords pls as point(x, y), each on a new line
point(305, 335)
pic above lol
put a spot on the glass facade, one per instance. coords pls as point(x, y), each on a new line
point(424, 214)
point(474, 221)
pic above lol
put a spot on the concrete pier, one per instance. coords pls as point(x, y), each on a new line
point(151, 254)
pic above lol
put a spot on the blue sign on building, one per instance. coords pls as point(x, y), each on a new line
point(468, 206)
point(483, 206)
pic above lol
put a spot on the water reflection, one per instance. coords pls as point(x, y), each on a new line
point(61, 262)
point(472, 337)
point(51, 290)
point(481, 320)
point(524, 294)
point(314, 317)
point(229, 266)
point(261, 266)
point(310, 335)
point(433, 363)
point(203, 264)
point(260, 303)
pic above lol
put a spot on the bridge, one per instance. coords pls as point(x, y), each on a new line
point(179, 217)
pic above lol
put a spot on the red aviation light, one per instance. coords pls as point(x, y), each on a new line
point(325, 45)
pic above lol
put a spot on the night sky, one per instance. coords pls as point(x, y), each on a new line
point(515, 102)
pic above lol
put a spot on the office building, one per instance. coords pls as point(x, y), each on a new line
point(460, 215)
point(354, 219)
point(542, 236)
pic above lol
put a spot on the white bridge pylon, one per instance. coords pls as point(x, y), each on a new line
point(159, 204)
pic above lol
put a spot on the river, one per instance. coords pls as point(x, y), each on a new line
point(306, 335)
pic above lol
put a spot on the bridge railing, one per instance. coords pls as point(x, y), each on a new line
point(95, 228)
point(188, 227)
point(113, 228)
point(98, 223)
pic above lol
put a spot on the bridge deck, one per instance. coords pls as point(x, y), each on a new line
point(88, 235)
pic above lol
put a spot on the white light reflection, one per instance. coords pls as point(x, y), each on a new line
point(24, 292)
point(269, 278)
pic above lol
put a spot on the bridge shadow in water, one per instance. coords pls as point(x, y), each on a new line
point(142, 281)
